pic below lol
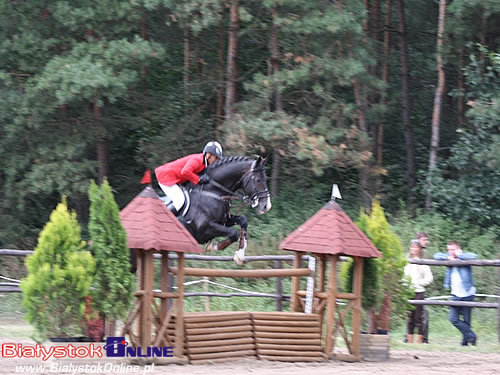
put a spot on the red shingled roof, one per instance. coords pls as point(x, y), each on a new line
point(151, 226)
point(330, 231)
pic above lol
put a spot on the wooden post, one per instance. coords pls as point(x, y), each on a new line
point(206, 289)
point(147, 299)
point(294, 304)
point(179, 317)
point(279, 288)
point(356, 313)
point(170, 284)
point(164, 283)
point(139, 256)
point(331, 305)
point(321, 285)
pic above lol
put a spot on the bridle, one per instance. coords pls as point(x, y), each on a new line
point(251, 200)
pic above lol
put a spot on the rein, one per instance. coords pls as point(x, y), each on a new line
point(245, 199)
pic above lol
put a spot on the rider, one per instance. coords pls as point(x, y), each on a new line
point(174, 173)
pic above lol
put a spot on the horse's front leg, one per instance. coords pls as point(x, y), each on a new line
point(239, 255)
point(219, 230)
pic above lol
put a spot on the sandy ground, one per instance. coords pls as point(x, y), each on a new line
point(406, 362)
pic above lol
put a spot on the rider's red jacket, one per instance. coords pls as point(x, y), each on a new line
point(181, 170)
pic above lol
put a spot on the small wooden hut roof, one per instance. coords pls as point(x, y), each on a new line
point(330, 231)
point(151, 226)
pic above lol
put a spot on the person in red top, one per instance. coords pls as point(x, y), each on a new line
point(174, 173)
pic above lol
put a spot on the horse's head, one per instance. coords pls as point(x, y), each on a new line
point(255, 185)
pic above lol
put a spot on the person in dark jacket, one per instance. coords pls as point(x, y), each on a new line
point(459, 279)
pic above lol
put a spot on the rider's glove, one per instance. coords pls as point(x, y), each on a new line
point(204, 179)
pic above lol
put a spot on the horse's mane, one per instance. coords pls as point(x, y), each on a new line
point(227, 160)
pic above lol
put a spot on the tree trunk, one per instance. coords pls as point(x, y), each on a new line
point(278, 100)
point(379, 148)
point(198, 59)
point(144, 68)
point(232, 59)
point(187, 62)
point(363, 126)
point(220, 85)
point(405, 104)
point(102, 158)
point(436, 112)
point(461, 89)
point(482, 37)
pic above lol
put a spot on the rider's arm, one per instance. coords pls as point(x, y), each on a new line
point(188, 172)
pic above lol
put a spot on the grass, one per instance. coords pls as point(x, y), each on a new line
point(443, 336)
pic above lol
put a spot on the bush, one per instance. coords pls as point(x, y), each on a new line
point(60, 273)
point(384, 293)
point(114, 283)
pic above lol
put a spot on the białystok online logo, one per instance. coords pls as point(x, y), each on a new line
point(115, 347)
point(118, 347)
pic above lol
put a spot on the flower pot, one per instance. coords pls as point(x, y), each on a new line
point(375, 347)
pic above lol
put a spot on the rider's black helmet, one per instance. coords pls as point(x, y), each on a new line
point(214, 148)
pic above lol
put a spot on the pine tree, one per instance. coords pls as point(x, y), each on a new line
point(114, 283)
point(60, 273)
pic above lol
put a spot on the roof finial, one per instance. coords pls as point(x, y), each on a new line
point(335, 193)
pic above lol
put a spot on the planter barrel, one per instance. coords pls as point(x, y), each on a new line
point(374, 347)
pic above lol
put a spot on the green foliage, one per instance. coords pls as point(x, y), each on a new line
point(114, 283)
point(468, 186)
point(60, 273)
point(382, 277)
point(318, 128)
point(372, 292)
point(442, 229)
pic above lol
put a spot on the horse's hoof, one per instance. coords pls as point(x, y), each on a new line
point(239, 261)
point(212, 246)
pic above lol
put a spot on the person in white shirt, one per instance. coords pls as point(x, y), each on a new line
point(419, 276)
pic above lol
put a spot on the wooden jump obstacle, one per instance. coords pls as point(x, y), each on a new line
point(217, 336)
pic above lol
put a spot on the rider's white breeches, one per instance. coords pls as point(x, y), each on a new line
point(175, 193)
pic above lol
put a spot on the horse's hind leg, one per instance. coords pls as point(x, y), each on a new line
point(239, 256)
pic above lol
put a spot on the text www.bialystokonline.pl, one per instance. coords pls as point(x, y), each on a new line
point(70, 368)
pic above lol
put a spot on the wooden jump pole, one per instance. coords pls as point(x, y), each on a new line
point(356, 313)
point(257, 273)
point(331, 302)
point(179, 317)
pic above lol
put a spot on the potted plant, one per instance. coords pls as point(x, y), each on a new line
point(60, 273)
point(114, 283)
point(385, 294)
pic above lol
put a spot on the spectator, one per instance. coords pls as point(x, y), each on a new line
point(420, 276)
point(423, 241)
point(460, 280)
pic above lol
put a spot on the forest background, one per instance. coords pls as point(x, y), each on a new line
point(395, 100)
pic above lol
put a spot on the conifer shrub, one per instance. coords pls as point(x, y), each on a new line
point(114, 283)
point(60, 273)
point(385, 294)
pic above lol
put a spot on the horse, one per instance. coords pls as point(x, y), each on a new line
point(208, 214)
